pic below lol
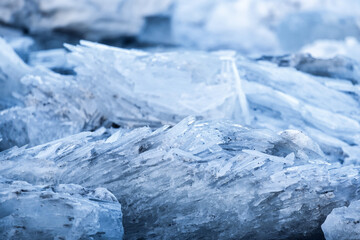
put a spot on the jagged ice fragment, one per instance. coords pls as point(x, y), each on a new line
point(64, 211)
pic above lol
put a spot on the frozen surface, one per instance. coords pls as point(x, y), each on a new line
point(65, 211)
point(343, 223)
point(196, 179)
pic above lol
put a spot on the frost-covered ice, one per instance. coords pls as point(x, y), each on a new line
point(343, 223)
point(65, 211)
point(196, 179)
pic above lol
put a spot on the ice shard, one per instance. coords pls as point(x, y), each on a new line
point(198, 178)
point(65, 211)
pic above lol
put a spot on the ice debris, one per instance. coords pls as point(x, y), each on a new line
point(64, 211)
point(198, 178)
point(343, 223)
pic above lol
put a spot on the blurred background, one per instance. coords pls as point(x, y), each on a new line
point(252, 27)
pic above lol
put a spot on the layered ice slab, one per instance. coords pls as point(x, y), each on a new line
point(65, 211)
point(199, 179)
point(343, 223)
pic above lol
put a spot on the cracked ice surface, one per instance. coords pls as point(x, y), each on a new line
point(198, 178)
point(65, 211)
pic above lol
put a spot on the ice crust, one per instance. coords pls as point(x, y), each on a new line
point(198, 178)
point(65, 211)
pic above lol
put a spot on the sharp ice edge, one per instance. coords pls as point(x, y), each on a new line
point(64, 211)
point(183, 181)
point(343, 223)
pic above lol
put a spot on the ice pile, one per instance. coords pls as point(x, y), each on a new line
point(132, 88)
point(171, 85)
point(119, 119)
point(65, 211)
point(198, 178)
